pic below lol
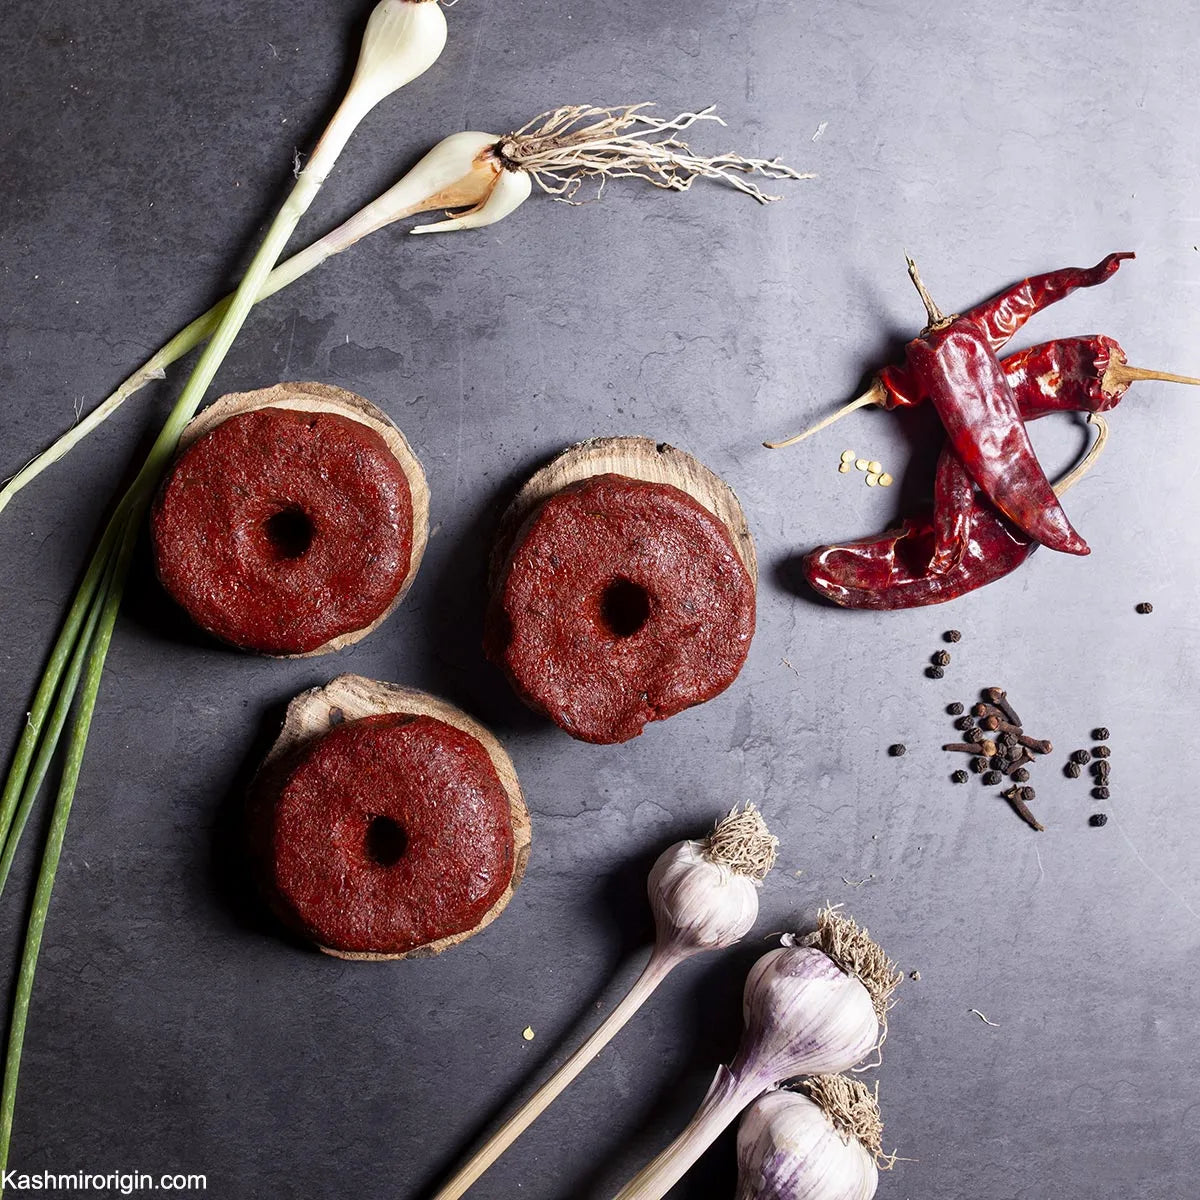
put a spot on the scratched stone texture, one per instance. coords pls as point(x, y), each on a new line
point(173, 1028)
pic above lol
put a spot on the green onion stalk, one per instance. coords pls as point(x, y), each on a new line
point(487, 176)
point(403, 38)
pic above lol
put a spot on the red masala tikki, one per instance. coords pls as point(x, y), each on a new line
point(621, 602)
point(387, 834)
point(280, 530)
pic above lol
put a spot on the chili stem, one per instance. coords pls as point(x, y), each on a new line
point(876, 394)
point(1119, 373)
point(111, 593)
point(936, 317)
point(1072, 477)
point(656, 970)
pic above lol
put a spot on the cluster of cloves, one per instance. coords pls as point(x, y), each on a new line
point(1098, 756)
point(1000, 748)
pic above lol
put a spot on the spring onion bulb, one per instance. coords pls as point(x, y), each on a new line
point(486, 176)
point(704, 895)
point(402, 39)
point(809, 1009)
point(821, 1142)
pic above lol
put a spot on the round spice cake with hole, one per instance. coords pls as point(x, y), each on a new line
point(386, 823)
point(293, 520)
point(622, 589)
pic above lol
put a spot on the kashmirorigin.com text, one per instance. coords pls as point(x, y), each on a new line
point(113, 1183)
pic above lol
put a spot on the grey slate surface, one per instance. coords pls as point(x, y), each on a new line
point(143, 148)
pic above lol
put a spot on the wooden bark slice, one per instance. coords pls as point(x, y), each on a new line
point(322, 397)
point(350, 697)
point(638, 458)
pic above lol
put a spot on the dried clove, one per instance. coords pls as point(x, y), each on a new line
point(963, 747)
point(999, 698)
point(1037, 745)
point(1018, 797)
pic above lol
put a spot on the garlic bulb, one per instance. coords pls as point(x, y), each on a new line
point(705, 894)
point(804, 1016)
point(788, 1148)
point(807, 1011)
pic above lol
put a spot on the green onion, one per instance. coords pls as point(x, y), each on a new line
point(403, 39)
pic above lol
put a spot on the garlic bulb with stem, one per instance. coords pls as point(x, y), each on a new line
point(486, 175)
point(808, 1009)
point(402, 39)
point(821, 1142)
point(704, 896)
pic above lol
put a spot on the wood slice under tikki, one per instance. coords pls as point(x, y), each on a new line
point(637, 458)
point(323, 397)
point(351, 697)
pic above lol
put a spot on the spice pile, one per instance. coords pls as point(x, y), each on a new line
point(1000, 748)
point(1098, 756)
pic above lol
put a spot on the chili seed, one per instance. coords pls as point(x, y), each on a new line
point(1072, 770)
point(934, 672)
point(952, 635)
point(954, 709)
point(1096, 820)
point(941, 658)
point(844, 469)
point(898, 750)
point(992, 778)
point(872, 480)
point(1145, 607)
point(1100, 751)
point(860, 464)
point(1080, 757)
point(960, 777)
point(847, 456)
point(1020, 775)
point(1100, 734)
point(1100, 793)
point(876, 468)
point(978, 765)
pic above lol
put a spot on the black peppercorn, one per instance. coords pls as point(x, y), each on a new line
point(1098, 819)
point(898, 750)
point(979, 765)
point(960, 777)
point(952, 635)
point(964, 723)
point(934, 672)
point(1100, 793)
point(1145, 607)
point(998, 762)
point(973, 732)
point(941, 658)
point(1009, 740)
point(1072, 770)
point(1100, 752)
point(1020, 775)
point(1028, 794)
point(1080, 757)
point(992, 778)
point(1100, 734)
point(956, 708)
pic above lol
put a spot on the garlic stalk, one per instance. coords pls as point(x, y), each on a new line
point(809, 1010)
point(819, 1144)
point(704, 896)
point(485, 175)
point(402, 39)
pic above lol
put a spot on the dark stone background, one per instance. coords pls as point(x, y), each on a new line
point(142, 148)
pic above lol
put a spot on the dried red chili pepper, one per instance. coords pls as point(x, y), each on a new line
point(953, 366)
point(963, 543)
point(892, 570)
point(1003, 315)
